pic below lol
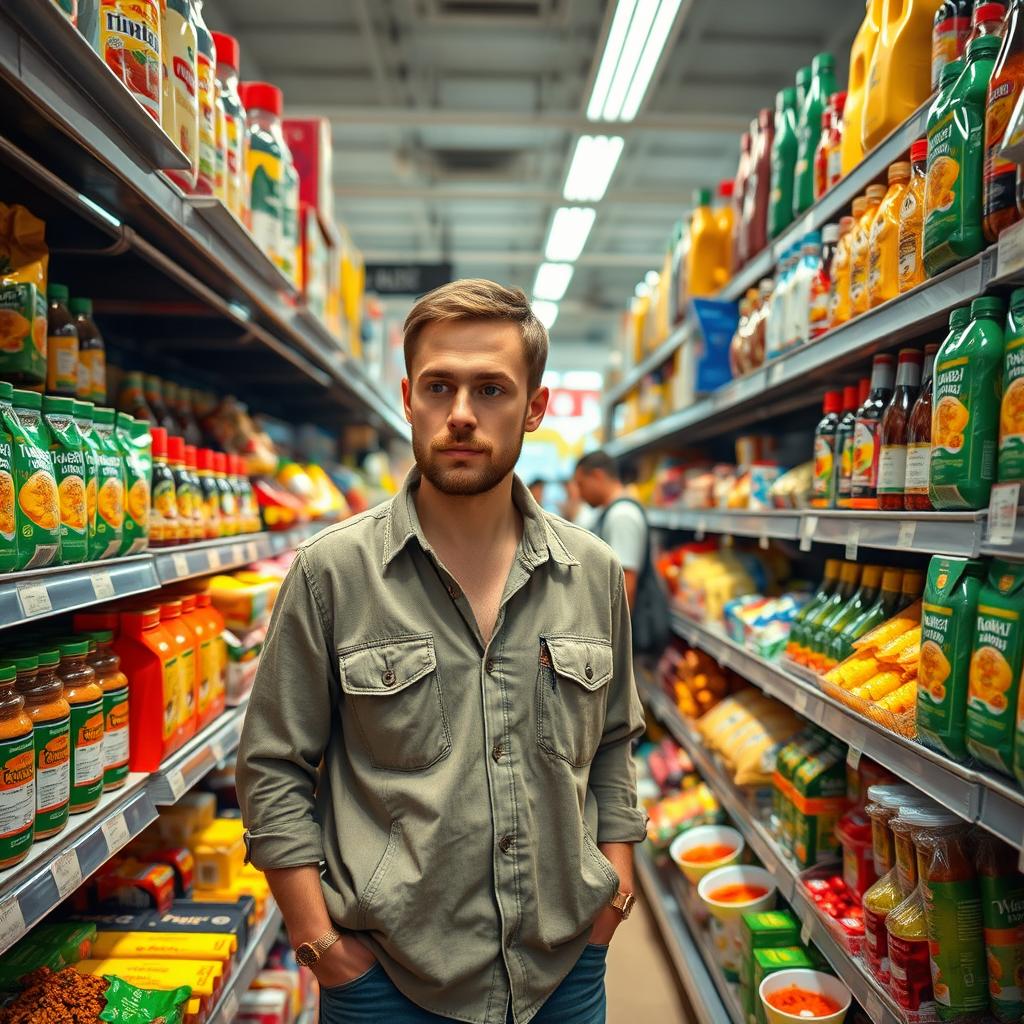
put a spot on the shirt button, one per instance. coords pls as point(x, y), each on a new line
point(489, 666)
point(506, 843)
point(388, 678)
point(498, 752)
point(589, 672)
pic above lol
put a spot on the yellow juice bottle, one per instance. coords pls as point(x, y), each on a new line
point(883, 253)
point(839, 287)
point(860, 247)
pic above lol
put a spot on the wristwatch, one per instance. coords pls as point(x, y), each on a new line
point(309, 953)
point(623, 902)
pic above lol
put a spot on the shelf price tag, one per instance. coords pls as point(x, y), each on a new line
point(34, 599)
point(872, 1006)
point(102, 586)
point(1002, 513)
point(252, 551)
point(851, 544)
point(67, 873)
point(180, 563)
point(799, 701)
point(1010, 250)
point(763, 542)
point(805, 931)
point(176, 780)
point(12, 923)
point(213, 558)
point(853, 758)
point(230, 1008)
point(776, 371)
point(905, 538)
point(807, 527)
point(116, 833)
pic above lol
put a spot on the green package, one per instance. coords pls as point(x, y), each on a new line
point(769, 929)
point(69, 472)
point(819, 800)
point(996, 657)
point(109, 486)
point(948, 616)
point(50, 945)
point(770, 961)
point(1011, 413)
point(38, 504)
point(8, 495)
point(83, 420)
point(1002, 912)
point(127, 1004)
point(789, 757)
point(136, 445)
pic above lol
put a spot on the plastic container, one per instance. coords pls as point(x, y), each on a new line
point(950, 29)
point(217, 653)
point(919, 432)
point(196, 621)
point(728, 913)
point(702, 839)
point(228, 63)
point(106, 663)
point(704, 257)
point(884, 243)
point(783, 162)
point(860, 249)
point(821, 284)
point(724, 214)
point(911, 221)
point(816, 982)
point(821, 154)
point(834, 142)
point(91, 385)
point(899, 80)
point(839, 306)
point(179, 114)
point(822, 86)
point(799, 301)
point(206, 62)
point(861, 54)
point(86, 699)
point(184, 643)
point(61, 343)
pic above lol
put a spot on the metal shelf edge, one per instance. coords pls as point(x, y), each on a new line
point(251, 963)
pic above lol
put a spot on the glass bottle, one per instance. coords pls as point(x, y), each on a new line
point(866, 448)
point(847, 447)
point(919, 427)
point(892, 460)
point(61, 343)
point(17, 803)
point(163, 521)
point(106, 663)
point(183, 490)
point(825, 449)
point(91, 383)
point(86, 699)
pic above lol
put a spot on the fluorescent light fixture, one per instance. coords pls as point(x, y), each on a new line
point(570, 228)
point(552, 280)
point(635, 42)
point(546, 312)
point(592, 167)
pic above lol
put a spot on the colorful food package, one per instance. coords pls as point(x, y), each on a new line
point(1002, 911)
point(220, 853)
point(8, 493)
point(994, 674)
point(819, 799)
point(768, 929)
point(203, 977)
point(69, 472)
point(135, 442)
point(188, 918)
point(133, 883)
point(680, 811)
point(1011, 414)
point(55, 946)
point(38, 503)
point(128, 1004)
point(24, 261)
point(771, 961)
point(949, 613)
point(109, 487)
point(219, 948)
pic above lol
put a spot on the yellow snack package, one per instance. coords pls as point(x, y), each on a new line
point(24, 260)
point(164, 946)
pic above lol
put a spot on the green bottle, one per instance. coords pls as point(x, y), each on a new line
point(965, 410)
point(803, 81)
point(1011, 424)
point(849, 575)
point(863, 597)
point(825, 590)
point(956, 163)
point(885, 606)
point(784, 147)
point(822, 85)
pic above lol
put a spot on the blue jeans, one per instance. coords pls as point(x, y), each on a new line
point(373, 998)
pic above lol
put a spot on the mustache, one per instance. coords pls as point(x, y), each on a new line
point(444, 444)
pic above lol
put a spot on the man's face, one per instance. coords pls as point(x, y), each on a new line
point(591, 486)
point(467, 399)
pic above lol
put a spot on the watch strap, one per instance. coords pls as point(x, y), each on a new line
point(325, 942)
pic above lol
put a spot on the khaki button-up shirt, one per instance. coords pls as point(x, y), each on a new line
point(454, 791)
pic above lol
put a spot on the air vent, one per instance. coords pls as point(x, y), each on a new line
point(525, 9)
point(484, 163)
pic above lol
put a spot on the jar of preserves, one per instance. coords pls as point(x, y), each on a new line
point(106, 663)
point(86, 699)
point(17, 803)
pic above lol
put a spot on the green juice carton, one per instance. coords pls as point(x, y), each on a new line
point(770, 961)
point(819, 800)
point(769, 929)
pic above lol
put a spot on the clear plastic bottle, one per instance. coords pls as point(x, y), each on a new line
point(799, 303)
point(265, 167)
point(860, 249)
point(911, 259)
point(839, 285)
point(821, 286)
point(228, 63)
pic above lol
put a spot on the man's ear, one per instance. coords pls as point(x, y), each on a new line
point(406, 396)
point(536, 409)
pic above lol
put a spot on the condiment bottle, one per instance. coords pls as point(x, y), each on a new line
point(783, 162)
point(210, 492)
point(822, 85)
point(249, 505)
point(911, 230)
point(179, 114)
point(844, 434)
point(132, 399)
point(163, 520)
point(217, 653)
point(987, 20)
point(884, 244)
point(950, 30)
point(265, 166)
point(739, 190)
point(196, 622)
point(84, 695)
point(198, 528)
point(183, 489)
point(919, 431)
point(821, 154)
point(220, 176)
point(737, 357)
point(825, 449)
point(756, 348)
point(17, 797)
point(834, 145)
point(183, 641)
point(866, 447)
point(228, 499)
point(228, 63)
point(821, 284)
point(1002, 897)
point(162, 416)
point(91, 385)
point(839, 287)
point(109, 487)
point(206, 62)
point(845, 444)
point(860, 249)
point(113, 682)
point(999, 202)
point(61, 343)
point(1011, 417)
point(68, 457)
point(892, 461)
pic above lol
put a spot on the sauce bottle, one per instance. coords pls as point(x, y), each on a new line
point(825, 449)
point(866, 447)
point(206, 62)
point(783, 163)
point(968, 369)
point(911, 229)
point(162, 416)
point(91, 385)
point(198, 529)
point(739, 191)
point(834, 146)
point(183, 643)
point(265, 166)
point(1011, 416)
point(883, 250)
point(17, 798)
point(61, 343)
point(952, 226)
point(213, 526)
point(839, 284)
point(845, 443)
point(756, 199)
point(106, 663)
point(861, 53)
point(822, 85)
point(228, 63)
point(220, 176)
point(821, 284)
point(821, 154)
point(999, 202)
point(988, 20)
point(179, 113)
point(756, 347)
point(919, 430)
point(132, 399)
point(228, 500)
point(844, 437)
point(66, 452)
point(860, 249)
point(1002, 896)
point(183, 490)
point(86, 699)
point(892, 461)
point(163, 520)
point(737, 355)
point(950, 29)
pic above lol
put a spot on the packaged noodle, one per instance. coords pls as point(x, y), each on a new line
point(24, 261)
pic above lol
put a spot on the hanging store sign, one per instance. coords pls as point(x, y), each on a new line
point(406, 278)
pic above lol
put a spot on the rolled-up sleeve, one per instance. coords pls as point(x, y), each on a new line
point(613, 774)
point(287, 727)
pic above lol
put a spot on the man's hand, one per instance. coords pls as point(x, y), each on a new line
point(343, 962)
point(604, 926)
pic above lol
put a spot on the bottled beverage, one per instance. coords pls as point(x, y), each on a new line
point(834, 146)
point(756, 348)
point(183, 491)
point(821, 284)
point(228, 501)
point(803, 83)
point(988, 20)
point(821, 87)
point(828, 585)
point(892, 461)
point(836, 640)
point(206, 63)
point(91, 385)
point(61, 343)
point(163, 521)
point(703, 268)
point(839, 285)
point(723, 212)
point(911, 261)
point(783, 163)
point(883, 249)
point(799, 302)
point(1011, 416)
point(866, 447)
point(214, 526)
point(849, 579)
point(950, 29)
point(228, 63)
point(860, 249)
point(861, 54)
point(825, 449)
point(754, 232)
point(842, 466)
point(919, 430)
point(739, 191)
point(821, 154)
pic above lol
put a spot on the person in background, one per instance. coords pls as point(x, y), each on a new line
point(435, 770)
point(537, 490)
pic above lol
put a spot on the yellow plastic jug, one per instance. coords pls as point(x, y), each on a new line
point(861, 52)
point(704, 265)
point(883, 250)
point(900, 79)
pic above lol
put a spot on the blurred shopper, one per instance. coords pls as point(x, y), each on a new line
point(537, 490)
point(435, 769)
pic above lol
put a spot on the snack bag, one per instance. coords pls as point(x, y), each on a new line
point(24, 260)
point(127, 1004)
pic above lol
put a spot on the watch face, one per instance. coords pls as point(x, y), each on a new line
point(306, 955)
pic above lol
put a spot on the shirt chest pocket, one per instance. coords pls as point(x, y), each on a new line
point(394, 696)
point(572, 688)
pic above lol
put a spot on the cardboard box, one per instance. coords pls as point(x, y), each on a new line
point(309, 139)
point(770, 929)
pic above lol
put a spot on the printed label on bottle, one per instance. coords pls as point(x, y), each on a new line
point(91, 383)
point(172, 697)
point(1000, 173)
point(207, 123)
point(69, 470)
point(164, 510)
point(919, 457)
point(17, 796)
point(187, 682)
point(129, 42)
point(824, 459)
point(1003, 914)
point(819, 305)
point(865, 457)
point(86, 751)
point(1011, 414)
point(846, 465)
point(911, 269)
point(910, 976)
point(876, 943)
point(835, 165)
point(205, 678)
point(115, 734)
point(62, 364)
point(892, 469)
point(959, 978)
point(52, 741)
point(264, 172)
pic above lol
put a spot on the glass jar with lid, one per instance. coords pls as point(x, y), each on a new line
point(86, 699)
point(17, 800)
point(106, 663)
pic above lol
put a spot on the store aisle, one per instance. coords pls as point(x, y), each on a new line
point(641, 981)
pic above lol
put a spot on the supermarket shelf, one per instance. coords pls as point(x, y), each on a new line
point(876, 1002)
point(57, 866)
point(977, 796)
point(250, 964)
point(654, 361)
point(778, 525)
point(708, 991)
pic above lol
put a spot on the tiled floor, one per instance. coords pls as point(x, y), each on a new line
point(642, 986)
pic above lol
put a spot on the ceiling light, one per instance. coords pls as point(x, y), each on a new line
point(546, 312)
point(592, 167)
point(552, 280)
point(635, 42)
point(569, 230)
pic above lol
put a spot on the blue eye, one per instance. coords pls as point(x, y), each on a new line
point(492, 390)
point(436, 388)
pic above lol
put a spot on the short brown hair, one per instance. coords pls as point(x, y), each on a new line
point(480, 299)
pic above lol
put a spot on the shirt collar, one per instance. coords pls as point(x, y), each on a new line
point(539, 544)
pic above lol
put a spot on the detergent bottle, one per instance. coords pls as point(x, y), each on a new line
point(860, 62)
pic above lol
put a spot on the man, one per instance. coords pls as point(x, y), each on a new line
point(443, 714)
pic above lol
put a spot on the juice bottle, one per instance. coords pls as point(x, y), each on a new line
point(968, 369)
point(825, 449)
point(821, 154)
point(91, 385)
point(757, 197)
point(866, 447)
point(999, 202)
point(110, 489)
point(206, 62)
point(17, 795)
point(860, 249)
point(9, 515)
point(844, 437)
point(892, 460)
point(839, 285)
point(953, 191)
point(703, 260)
point(218, 652)
point(184, 643)
point(846, 446)
point(163, 523)
point(821, 87)
point(739, 191)
point(1011, 415)
point(149, 657)
point(1002, 913)
point(135, 442)
point(919, 432)
point(248, 508)
point(821, 283)
point(228, 63)
point(264, 165)
point(988, 19)
point(884, 244)
point(852, 150)
point(34, 483)
point(899, 79)
point(834, 146)
point(61, 343)
point(783, 162)
point(66, 451)
point(180, 104)
point(196, 622)
point(950, 29)
point(116, 707)
point(86, 699)
point(911, 226)
point(183, 490)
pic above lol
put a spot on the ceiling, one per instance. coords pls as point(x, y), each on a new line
point(455, 121)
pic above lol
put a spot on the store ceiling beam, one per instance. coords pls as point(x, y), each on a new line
point(624, 260)
point(504, 193)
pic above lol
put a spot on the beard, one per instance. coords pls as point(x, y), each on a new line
point(483, 474)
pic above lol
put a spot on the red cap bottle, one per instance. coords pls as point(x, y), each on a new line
point(159, 435)
point(262, 96)
point(919, 151)
point(833, 402)
point(190, 457)
point(176, 450)
point(204, 460)
point(228, 51)
point(850, 402)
